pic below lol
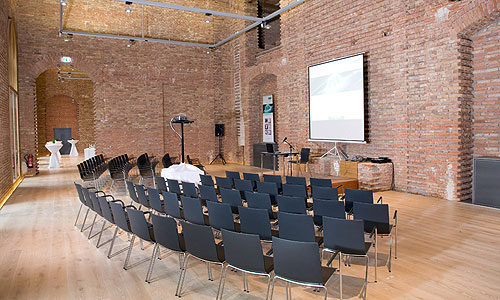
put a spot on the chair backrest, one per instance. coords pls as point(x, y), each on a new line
point(95, 203)
point(189, 189)
point(131, 191)
point(193, 211)
point(233, 175)
point(254, 178)
point(273, 178)
point(325, 193)
point(231, 197)
point(296, 180)
point(171, 205)
point(141, 194)
point(223, 182)
point(166, 160)
point(259, 200)
point(325, 182)
point(86, 195)
point(304, 155)
point(297, 261)
point(344, 235)
point(243, 251)
point(297, 227)
point(220, 215)
point(327, 208)
point(161, 185)
point(243, 185)
point(295, 205)
point(268, 188)
point(173, 186)
point(255, 221)
point(200, 241)
point(364, 196)
point(105, 209)
point(189, 159)
point(295, 190)
point(165, 230)
point(119, 216)
point(154, 200)
point(208, 193)
point(206, 180)
point(80, 194)
point(373, 215)
point(139, 225)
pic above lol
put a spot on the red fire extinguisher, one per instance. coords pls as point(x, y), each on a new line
point(28, 158)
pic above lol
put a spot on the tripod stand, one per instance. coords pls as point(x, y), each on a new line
point(219, 155)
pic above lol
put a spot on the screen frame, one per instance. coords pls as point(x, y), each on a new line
point(364, 102)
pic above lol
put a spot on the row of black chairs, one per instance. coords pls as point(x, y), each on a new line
point(146, 166)
point(340, 237)
point(119, 168)
point(92, 169)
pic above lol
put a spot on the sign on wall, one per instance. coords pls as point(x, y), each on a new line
point(267, 119)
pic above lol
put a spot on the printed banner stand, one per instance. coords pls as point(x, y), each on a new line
point(267, 119)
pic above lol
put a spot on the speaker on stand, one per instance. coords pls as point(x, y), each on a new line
point(219, 133)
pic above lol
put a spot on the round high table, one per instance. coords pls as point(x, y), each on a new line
point(73, 151)
point(54, 154)
point(182, 172)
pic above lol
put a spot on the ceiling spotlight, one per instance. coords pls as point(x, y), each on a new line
point(130, 43)
point(265, 25)
point(64, 2)
point(68, 37)
point(129, 6)
point(209, 17)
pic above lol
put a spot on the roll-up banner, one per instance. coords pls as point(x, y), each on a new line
point(267, 119)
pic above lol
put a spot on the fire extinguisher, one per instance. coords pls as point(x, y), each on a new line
point(28, 158)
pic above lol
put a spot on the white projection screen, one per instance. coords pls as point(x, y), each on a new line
point(336, 100)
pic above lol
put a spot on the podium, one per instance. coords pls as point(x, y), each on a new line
point(182, 122)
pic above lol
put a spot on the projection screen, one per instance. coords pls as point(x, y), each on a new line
point(336, 100)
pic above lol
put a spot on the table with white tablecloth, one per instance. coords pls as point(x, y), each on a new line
point(89, 152)
point(54, 154)
point(73, 151)
point(183, 172)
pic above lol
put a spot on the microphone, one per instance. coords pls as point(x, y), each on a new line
point(284, 140)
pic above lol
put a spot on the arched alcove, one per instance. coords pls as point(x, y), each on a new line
point(64, 103)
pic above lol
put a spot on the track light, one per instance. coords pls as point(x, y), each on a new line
point(68, 37)
point(130, 43)
point(265, 25)
point(209, 17)
point(64, 2)
point(128, 9)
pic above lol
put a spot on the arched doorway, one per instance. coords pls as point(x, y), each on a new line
point(65, 106)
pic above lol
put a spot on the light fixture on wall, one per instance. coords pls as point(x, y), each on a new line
point(64, 2)
point(128, 9)
point(265, 25)
point(131, 42)
point(68, 37)
point(209, 18)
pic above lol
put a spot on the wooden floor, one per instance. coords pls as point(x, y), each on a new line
point(447, 250)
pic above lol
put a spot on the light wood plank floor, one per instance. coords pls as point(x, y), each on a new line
point(447, 250)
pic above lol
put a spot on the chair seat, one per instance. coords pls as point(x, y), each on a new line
point(382, 228)
point(220, 252)
point(268, 264)
point(326, 273)
point(357, 251)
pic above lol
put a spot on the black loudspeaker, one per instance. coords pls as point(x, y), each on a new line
point(219, 129)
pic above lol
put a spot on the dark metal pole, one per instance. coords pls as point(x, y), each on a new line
point(182, 141)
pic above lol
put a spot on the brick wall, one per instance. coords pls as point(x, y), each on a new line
point(68, 104)
point(5, 152)
point(486, 105)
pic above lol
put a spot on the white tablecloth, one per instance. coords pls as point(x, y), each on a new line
point(73, 151)
point(89, 152)
point(54, 154)
point(182, 172)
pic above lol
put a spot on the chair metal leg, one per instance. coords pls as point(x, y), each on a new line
point(181, 278)
point(92, 227)
point(272, 289)
point(223, 281)
point(209, 270)
point(125, 265)
point(366, 275)
point(113, 241)
point(245, 282)
point(85, 219)
point(340, 275)
point(289, 291)
point(376, 254)
point(181, 260)
point(100, 234)
point(268, 285)
point(78, 215)
point(326, 292)
point(152, 263)
point(396, 242)
point(389, 264)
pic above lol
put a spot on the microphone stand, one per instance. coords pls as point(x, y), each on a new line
point(291, 150)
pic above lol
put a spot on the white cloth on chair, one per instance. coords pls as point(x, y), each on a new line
point(182, 172)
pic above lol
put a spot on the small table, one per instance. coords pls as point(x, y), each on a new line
point(183, 172)
point(54, 154)
point(89, 152)
point(73, 151)
point(278, 154)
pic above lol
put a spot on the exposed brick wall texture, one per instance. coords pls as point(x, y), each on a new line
point(486, 103)
point(67, 104)
point(5, 151)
